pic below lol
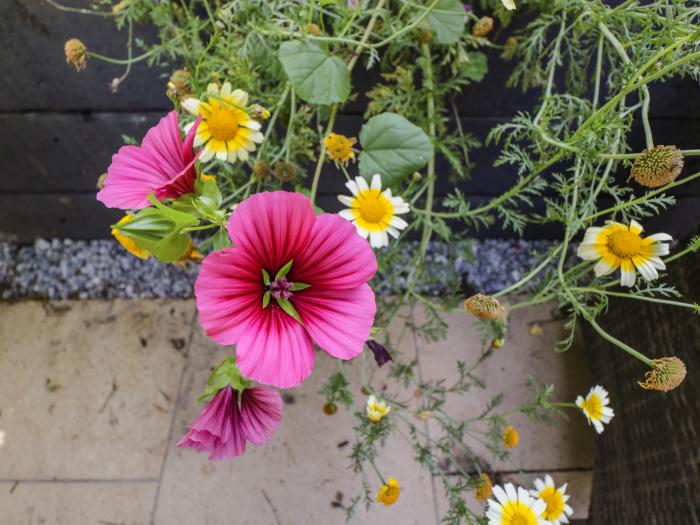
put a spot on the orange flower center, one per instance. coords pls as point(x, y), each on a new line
point(224, 122)
point(625, 244)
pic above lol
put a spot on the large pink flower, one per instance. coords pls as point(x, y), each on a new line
point(163, 165)
point(336, 310)
point(222, 428)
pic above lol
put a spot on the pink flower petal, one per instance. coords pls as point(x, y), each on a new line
point(162, 165)
point(217, 429)
point(272, 227)
point(335, 256)
point(261, 413)
point(339, 321)
point(274, 349)
point(228, 293)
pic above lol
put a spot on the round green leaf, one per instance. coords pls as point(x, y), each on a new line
point(447, 19)
point(316, 76)
point(392, 147)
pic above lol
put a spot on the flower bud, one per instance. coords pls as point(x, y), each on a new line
point(666, 374)
point(330, 408)
point(179, 85)
point(285, 171)
point(76, 54)
point(484, 307)
point(657, 166)
point(483, 27)
point(261, 169)
point(259, 112)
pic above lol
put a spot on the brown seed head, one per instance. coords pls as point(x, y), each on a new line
point(484, 307)
point(483, 27)
point(76, 54)
point(657, 166)
point(666, 374)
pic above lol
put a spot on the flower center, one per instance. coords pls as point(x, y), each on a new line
point(517, 514)
point(593, 407)
point(374, 207)
point(555, 503)
point(223, 122)
point(281, 288)
point(625, 244)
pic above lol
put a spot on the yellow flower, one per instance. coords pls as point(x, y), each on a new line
point(376, 409)
point(129, 245)
point(389, 493)
point(340, 148)
point(76, 54)
point(666, 374)
point(508, 4)
point(595, 407)
point(207, 178)
point(511, 438)
point(618, 246)
point(557, 511)
point(227, 131)
point(515, 507)
point(484, 489)
point(498, 342)
point(373, 211)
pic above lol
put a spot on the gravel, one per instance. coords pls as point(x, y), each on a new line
point(68, 269)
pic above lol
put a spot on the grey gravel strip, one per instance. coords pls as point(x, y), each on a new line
point(67, 269)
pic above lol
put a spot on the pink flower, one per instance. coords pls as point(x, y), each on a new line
point(326, 288)
point(163, 165)
point(222, 429)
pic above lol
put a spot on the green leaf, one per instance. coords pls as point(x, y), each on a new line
point(317, 77)
point(221, 239)
point(266, 298)
point(289, 309)
point(392, 147)
point(447, 19)
point(266, 276)
point(227, 373)
point(475, 69)
point(296, 287)
point(284, 270)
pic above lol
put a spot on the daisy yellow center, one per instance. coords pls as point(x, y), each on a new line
point(625, 244)
point(374, 209)
point(515, 513)
point(224, 121)
point(555, 503)
point(593, 406)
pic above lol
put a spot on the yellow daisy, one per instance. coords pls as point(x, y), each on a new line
point(557, 511)
point(511, 438)
point(515, 507)
point(340, 148)
point(376, 409)
point(227, 131)
point(595, 407)
point(618, 246)
point(484, 489)
point(389, 493)
point(373, 211)
point(129, 245)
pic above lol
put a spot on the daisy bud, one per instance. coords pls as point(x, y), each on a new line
point(511, 438)
point(330, 408)
point(381, 354)
point(657, 166)
point(484, 489)
point(666, 374)
point(389, 493)
point(484, 307)
point(498, 342)
point(483, 27)
point(179, 85)
point(76, 54)
point(259, 112)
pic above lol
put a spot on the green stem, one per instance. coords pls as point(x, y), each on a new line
point(322, 154)
point(605, 335)
point(633, 296)
point(427, 225)
point(690, 249)
point(537, 269)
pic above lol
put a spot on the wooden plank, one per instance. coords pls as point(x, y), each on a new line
point(36, 76)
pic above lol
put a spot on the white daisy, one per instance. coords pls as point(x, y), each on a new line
point(557, 511)
point(376, 409)
point(515, 507)
point(595, 407)
point(373, 211)
point(618, 246)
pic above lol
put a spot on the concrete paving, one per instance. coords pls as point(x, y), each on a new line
point(95, 394)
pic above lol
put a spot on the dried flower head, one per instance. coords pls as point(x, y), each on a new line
point(484, 307)
point(330, 408)
point(484, 489)
point(483, 27)
point(340, 148)
point(389, 493)
point(76, 54)
point(179, 86)
point(285, 171)
point(261, 169)
point(657, 166)
point(666, 374)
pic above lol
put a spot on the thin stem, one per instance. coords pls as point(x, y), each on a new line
point(427, 225)
point(537, 269)
point(322, 154)
point(78, 10)
point(598, 71)
point(633, 296)
point(605, 335)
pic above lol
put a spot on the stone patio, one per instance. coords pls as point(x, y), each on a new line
point(95, 394)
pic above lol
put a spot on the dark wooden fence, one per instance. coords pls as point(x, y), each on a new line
point(58, 128)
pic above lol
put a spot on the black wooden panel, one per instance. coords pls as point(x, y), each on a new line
point(35, 75)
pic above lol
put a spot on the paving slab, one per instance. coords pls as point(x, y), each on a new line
point(61, 503)
point(88, 387)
